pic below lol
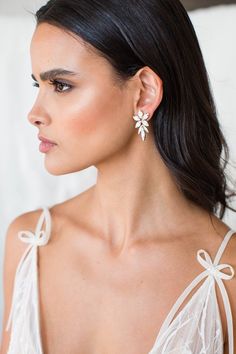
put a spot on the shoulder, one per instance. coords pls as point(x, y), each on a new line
point(229, 257)
point(13, 245)
point(13, 251)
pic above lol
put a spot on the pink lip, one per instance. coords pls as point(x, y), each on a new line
point(45, 144)
point(45, 147)
point(45, 140)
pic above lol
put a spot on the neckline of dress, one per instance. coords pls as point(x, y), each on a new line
point(192, 284)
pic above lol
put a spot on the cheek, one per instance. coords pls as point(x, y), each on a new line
point(85, 121)
point(95, 114)
point(91, 129)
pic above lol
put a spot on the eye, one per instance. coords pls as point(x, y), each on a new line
point(59, 85)
point(35, 84)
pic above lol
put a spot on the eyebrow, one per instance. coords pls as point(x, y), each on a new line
point(52, 74)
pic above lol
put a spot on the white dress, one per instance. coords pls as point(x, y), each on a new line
point(197, 328)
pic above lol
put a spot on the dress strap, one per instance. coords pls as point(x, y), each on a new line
point(223, 246)
point(213, 271)
point(39, 237)
point(25, 292)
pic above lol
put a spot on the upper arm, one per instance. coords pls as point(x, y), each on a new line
point(13, 251)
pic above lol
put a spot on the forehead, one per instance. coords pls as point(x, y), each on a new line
point(52, 46)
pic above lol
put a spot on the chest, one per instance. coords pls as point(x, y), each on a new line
point(96, 306)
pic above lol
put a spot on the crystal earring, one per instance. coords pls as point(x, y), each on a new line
point(142, 124)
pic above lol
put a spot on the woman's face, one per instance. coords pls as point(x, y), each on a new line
point(89, 116)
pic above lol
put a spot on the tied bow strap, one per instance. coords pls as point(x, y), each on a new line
point(39, 237)
point(36, 239)
point(213, 269)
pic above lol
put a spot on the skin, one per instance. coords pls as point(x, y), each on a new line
point(120, 231)
point(93, 125)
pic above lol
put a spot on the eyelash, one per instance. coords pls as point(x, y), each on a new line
point(55, 83)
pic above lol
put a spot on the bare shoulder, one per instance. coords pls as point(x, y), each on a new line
point(13, 245)
point(229, 257)
point(13, 251)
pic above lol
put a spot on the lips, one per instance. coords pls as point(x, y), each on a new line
point(45, 140)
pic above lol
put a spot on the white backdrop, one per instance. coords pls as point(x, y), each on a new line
point(25, 185)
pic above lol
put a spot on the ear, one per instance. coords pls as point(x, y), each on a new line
point(149, 92)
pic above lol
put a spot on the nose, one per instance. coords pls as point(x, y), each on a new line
point(37, 117)
point(35, 121)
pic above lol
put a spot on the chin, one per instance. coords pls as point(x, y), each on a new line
point(55, 169)
point(60, 170)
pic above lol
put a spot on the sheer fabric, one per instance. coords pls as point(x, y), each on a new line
point(197, 328)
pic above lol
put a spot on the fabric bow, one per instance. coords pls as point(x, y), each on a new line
point(213, 269)
point(37, 239)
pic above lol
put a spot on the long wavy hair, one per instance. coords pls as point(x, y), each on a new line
point(131, 34)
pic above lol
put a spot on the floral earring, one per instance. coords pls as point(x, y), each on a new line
point(142, 124)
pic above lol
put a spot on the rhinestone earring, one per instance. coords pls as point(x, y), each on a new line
point(141, 123)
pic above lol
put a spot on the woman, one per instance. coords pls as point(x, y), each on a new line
point(127, 265)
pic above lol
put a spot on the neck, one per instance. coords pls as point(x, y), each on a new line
point(136, 199)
